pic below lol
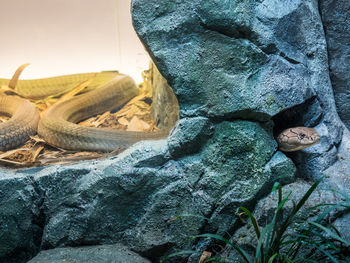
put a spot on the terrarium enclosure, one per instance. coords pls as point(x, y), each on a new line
point(227, 100)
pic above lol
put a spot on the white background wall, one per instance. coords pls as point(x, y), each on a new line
point(68, 36)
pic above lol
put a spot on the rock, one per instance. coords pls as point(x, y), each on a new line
point(19, 220)
point(337, 30)
point(224, 219)
point(91, 254)
point(238, 173)
point(235, 157)
point(189, 136)
point(165, 108)
point(304, 42)
point(338, 175)
point(342, 224)
point(138, 198)
point(246, 60)
point(211, 83)
point(145, 199)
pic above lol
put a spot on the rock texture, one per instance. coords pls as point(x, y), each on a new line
point(337, 29)
point(19, 220)
point(241, 71)
point(134, 197)
point(165, 107)
point(249, 60)
point(91, 254)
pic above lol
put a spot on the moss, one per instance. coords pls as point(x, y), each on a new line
point(238, 151)
point(269, 101)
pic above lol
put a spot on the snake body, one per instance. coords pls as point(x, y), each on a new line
point(54, 86)
point(22, 124)
point(58, 127)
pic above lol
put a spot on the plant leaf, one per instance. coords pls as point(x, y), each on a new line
point(331, 233)
point(276, 186)
point(252, 218)
point(259, 253)
point(306, 196)
point(327, 254)
point(272, 258)
point(241, 251)
point(302, 201)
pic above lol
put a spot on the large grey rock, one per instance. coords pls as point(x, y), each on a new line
point(19, 218)
point(90, 254)
point(338, 175)
point(252, 60)
point(133, 198)
point(337, 29)
point(248, 60)
point(249, 167)
point(213, 71)
point(141, 190)
point(297, 30)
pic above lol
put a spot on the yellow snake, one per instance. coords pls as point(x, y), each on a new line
point(22, 124)
point(57, 125)
point(42, 88)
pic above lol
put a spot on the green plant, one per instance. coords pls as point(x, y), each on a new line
point(291, 238)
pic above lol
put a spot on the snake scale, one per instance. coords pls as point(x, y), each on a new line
point(22, 124)
point(58, 125)
point(297, 138)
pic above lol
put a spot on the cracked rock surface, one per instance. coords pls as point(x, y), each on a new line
point(335, 16)
point(247, 60)
point(241, 70)
point(96, 254)
point(134, 197)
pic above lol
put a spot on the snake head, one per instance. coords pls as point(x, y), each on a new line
point(295, 139)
